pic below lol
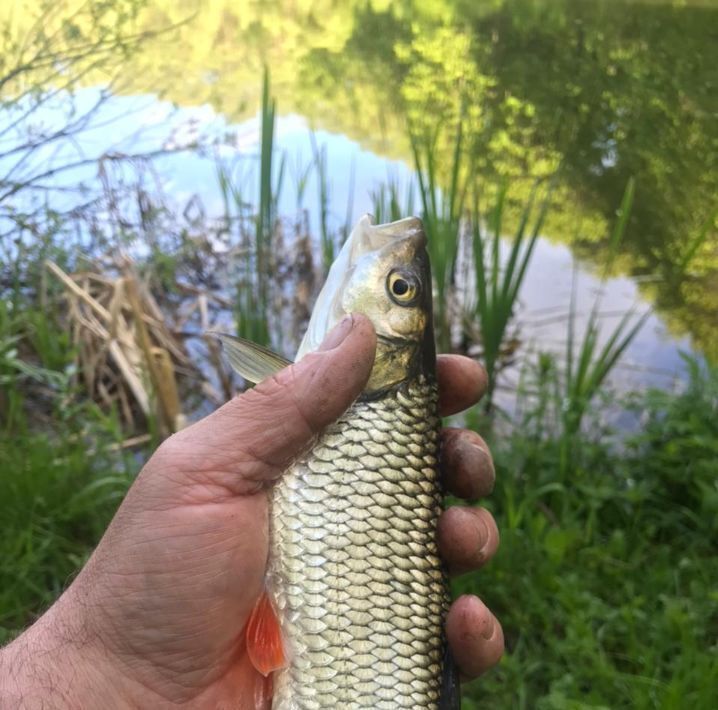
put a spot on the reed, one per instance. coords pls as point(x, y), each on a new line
point(388, 202)
point(588, 363)
point(326, 239)
point(442, 212)
point(256, 229)
point(497, 283)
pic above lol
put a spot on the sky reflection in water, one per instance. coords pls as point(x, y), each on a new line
point(143, 124)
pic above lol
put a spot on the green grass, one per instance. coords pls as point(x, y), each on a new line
point(498, 283)
point(605, 579)
point(60, 483)
point(442, 214)
point(56, 502)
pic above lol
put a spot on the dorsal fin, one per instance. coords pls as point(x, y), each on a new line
point(253, 362)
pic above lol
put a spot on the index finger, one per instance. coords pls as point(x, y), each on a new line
point(462, 383)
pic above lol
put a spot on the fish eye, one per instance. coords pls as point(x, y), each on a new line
point(402, 287)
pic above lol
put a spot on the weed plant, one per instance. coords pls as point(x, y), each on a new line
point(60, 480)
point(587, 362)
point(442, 213)
point(605, 578)
point(497, 283)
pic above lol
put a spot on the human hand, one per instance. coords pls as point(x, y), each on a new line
point(156, 616)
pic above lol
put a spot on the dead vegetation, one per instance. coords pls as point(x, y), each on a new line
point(128, 356)
point(148, 353)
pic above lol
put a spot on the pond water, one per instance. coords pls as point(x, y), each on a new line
point(592, 93)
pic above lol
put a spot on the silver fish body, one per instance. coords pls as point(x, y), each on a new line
point(354, 571)
point(354, 575)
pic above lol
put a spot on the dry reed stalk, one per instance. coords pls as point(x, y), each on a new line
point(167, 388)
point(79, 292)
point(131, 442)
point(124, 344)
point(214, 349)
point(146, 348)
point(132, 380)
point(152, 314)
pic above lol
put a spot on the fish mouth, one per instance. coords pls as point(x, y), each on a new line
point(393, 341)
point(366, 238)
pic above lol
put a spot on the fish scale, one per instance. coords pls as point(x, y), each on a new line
point(354, 573)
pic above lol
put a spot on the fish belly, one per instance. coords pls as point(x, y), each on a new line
point(354, 571)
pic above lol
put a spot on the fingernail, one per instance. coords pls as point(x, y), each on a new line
point(487, 630)
point(338, 334)
point(485, 542)
point(485, 481)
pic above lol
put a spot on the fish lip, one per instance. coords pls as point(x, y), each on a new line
point(395, 340)
point(371, 237)
point(366, 237)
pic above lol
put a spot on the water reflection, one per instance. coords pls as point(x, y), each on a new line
point(149, 125)
point(594, 92)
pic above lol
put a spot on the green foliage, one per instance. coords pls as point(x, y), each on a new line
point(442, 212)
point(676, 459)
point(59, 483)
point(604, 581)
point(57, 496)
point(498, 284)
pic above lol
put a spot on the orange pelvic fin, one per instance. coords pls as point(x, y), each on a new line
point(265, 646)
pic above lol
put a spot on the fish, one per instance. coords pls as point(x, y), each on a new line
point(355, 593)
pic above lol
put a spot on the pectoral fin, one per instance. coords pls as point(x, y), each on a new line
point(265, 645)
point(253, 362)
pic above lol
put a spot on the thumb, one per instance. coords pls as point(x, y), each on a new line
point(250, 441)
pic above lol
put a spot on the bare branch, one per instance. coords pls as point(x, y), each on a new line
point(14, 188)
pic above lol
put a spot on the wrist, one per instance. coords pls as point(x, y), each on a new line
point(53, 664)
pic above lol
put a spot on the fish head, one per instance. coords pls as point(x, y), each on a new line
point(382, 272)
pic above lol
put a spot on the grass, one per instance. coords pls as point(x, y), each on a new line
point(588, 363)
point(604, 577)
point(56, 503)
point(442, 214)
point(498, 283)
point(60, 480)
